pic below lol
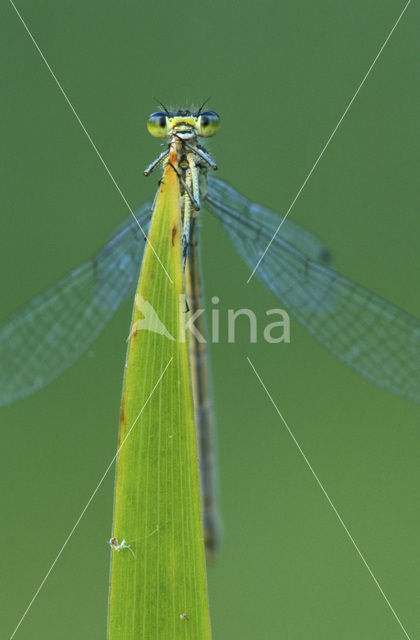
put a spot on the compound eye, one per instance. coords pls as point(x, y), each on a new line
point(157, 124)
point(208, 124)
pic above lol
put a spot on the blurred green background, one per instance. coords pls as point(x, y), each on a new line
point(280, 75)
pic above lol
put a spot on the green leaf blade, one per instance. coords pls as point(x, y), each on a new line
point(158, 582)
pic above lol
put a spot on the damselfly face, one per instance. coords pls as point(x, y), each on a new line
point(184, 124)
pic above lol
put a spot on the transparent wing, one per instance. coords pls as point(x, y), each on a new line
point(55, 328)
point(376, 338)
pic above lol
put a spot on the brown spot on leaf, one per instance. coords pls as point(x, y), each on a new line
point(174, 233)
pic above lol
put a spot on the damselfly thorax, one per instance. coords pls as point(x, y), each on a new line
point(182, 131)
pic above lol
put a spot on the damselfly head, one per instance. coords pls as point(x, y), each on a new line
point(185, 124)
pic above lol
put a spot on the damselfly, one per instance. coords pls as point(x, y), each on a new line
point(373, 336)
